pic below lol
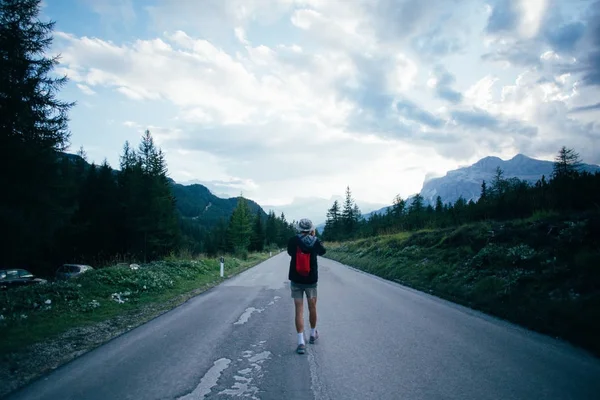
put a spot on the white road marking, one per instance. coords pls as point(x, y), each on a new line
point(208, 380)
point(246, 315)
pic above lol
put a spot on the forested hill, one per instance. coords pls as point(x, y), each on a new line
point(194, 202)
point(140, 211)
point(197, 203)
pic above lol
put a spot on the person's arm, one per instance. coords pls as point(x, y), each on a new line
point(291, 248)
point(319, 247)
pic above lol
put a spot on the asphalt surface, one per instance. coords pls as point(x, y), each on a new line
point(378, 340)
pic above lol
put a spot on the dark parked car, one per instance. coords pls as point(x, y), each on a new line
point(17, 277)
point(68, 271)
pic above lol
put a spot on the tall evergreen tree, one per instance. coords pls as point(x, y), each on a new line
point(398, 208)
point(149, 224)
point(348, 218)
point(258, 233)
point(356, 213)
point(499, 184)
point(439, 206)
point(417, 204)
point(285, 230)
point(33, 127)
point(484, 192)
point(566, 163)
point(333, 222)
point(164, 226)
point(99, 213)
point(271, 229)
point(240, 226)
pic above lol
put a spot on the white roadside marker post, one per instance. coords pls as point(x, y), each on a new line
point(222, 266)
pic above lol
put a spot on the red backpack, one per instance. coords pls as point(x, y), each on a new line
point(302, 262)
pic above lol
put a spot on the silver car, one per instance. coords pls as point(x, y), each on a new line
point(68, 271)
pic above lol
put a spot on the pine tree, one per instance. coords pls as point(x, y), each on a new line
point(499, 184)
point(100, 212)
point(285, 230)
point(416, 210)
point(271, 231)
point(398, 208)
point(130, 182)
point(258, 233)
point(240, 226)
point(484, 194)
point(416, 205)
point(439, 206)
point(356, 213)
point(333, 222)
point(149, 224)
point(564, 175)
point(348, 219)
point(438, 211)
point(33, 127)
point(566, 163)
point(165, 226)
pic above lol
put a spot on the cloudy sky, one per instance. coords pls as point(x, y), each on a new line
point(288, 98)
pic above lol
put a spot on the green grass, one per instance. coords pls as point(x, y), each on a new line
point(542, 272)
point(28, 319)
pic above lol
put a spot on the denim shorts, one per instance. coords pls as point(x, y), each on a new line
point(298, 290)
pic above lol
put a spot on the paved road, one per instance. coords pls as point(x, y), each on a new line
point(378, 341)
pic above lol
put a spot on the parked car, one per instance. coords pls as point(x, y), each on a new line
point(68, 271)
point(18, 277)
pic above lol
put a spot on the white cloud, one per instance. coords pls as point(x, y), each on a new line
point(403, 73)
point(86, 89)
point(533, 12)
point(240, 34)
point(480, 93)
point(339, 95)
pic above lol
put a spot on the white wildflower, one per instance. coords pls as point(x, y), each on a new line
point(117, 297)
point(48, 301)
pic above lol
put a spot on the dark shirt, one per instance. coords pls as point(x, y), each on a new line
point(315, 250)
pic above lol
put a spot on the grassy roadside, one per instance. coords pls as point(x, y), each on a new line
point(45, 326)
point(542, 273)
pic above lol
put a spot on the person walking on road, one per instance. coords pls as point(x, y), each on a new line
point(303, 249)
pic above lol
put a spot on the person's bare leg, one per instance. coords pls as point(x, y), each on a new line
point(300, 324)
point(299, 315)
point(312, 312)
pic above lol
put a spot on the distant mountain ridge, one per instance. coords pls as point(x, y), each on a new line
point(466, 181)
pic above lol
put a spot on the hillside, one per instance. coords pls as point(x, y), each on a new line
point(197, 203)
point(466, 182)
point(540, 272)
point(194, 202)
